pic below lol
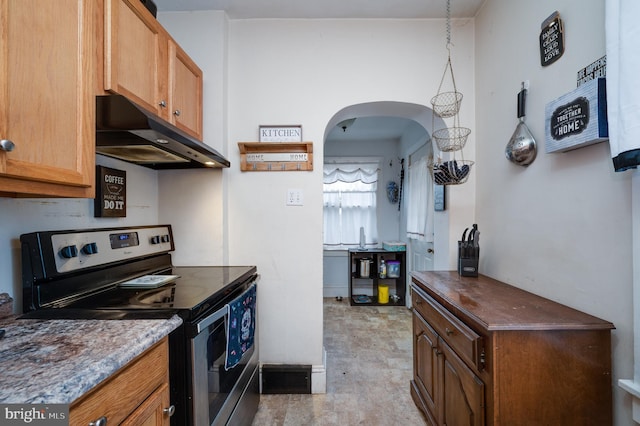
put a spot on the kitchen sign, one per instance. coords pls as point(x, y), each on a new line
point(111, 193)
point(280, 133)
point(551, 39)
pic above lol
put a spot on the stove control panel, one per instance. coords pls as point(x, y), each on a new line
point(74, 250)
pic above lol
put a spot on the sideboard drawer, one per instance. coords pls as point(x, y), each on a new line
point(466, 342)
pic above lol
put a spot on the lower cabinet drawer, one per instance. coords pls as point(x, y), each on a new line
point(466, 342)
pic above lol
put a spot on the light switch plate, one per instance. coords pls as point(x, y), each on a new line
point(295, 197)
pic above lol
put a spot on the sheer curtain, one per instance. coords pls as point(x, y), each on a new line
point(350, 203)
point(420, 202)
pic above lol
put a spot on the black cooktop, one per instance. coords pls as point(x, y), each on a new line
point(194, 292)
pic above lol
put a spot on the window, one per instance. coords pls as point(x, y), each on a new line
point(350, 204)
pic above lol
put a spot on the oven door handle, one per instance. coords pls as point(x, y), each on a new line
point(206, 322)
point(202, 325)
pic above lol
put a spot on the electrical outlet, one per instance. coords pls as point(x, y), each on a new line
point(294, 197)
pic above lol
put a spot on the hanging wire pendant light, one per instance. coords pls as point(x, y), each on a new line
point(446, 104)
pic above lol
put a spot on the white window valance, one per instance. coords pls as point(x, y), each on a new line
point(364, 172)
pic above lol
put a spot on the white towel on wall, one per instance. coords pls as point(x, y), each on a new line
point(623, 90)
point(420, 202)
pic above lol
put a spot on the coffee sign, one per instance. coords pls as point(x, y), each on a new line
point(111, 193)
point(551, 39)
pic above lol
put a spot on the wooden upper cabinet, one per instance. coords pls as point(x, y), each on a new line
point(185, 97)
point(47, 99)
point(143, 63)
point(135, 54)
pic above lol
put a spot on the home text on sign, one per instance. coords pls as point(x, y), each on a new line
point(287, 156)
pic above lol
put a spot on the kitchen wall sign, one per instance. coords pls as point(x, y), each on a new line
point(551, 39)
point(277, 156)
point(578, 118)
point(111, 193)
point(280, 133)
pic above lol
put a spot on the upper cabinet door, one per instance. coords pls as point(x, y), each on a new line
point(47, 99)
point(143, 63)
point(135, 55)
point(185, 79)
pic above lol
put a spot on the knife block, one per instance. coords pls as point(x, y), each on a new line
point(468, 261)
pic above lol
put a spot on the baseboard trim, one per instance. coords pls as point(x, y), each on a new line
point(319, 375)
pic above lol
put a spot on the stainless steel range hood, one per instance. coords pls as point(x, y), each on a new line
point(128, 132)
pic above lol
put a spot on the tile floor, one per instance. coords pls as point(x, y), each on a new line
point(369, 366)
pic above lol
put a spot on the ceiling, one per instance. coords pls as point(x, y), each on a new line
point(308, 9)
point(364, 128)
point(369, 129)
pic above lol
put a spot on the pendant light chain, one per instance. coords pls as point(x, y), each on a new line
point(448, 24)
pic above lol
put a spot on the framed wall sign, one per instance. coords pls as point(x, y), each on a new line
point(597, 69)
point(111, 193)
point(273, 157)
point(280, 133)
point(578, 118)
point(551, 39)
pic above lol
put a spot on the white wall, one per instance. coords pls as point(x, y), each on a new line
point(303, 72)
point(194, 201)
point(23, 215)
point(560, 228)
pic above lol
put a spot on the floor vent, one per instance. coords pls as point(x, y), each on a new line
point(279, 378)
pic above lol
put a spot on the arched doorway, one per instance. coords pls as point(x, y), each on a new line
point(408, 126)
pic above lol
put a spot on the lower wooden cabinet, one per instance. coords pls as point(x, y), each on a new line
point(486, 353)
point(446, 390)
point(155, 410)
point(138, 394)
point(462, 391)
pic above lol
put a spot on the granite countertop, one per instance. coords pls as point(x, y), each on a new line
point(57, 361)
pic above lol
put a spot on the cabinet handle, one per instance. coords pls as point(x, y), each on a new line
point(6, 145)
point(163, 104)
point(176, 113)
point(102, 421)
point(169, 411)
point(448, 331)
point(438, 352)
point(430, 250)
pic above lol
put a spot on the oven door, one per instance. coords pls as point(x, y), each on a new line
point(217, 391)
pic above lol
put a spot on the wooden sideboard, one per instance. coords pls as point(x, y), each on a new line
point(487, 353)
